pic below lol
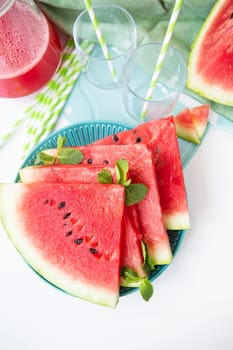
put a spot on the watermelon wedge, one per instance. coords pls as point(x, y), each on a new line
point(191, 123)
point(200, 115)
point(131, 247)
point(141, 171)
point(211, 56)
point(69, 233)
point(185, 126)
point(160, 137)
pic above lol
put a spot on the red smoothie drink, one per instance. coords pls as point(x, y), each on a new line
point(30, 50)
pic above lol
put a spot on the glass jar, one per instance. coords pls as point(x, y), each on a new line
point(30, 50)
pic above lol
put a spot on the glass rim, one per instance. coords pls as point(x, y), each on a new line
point(5, 6)
point(102, 5)
point(153, 44)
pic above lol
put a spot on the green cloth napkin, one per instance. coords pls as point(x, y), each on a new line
point(151, 17)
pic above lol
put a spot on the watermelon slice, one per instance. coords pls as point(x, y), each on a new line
point(211, 57)
point(69, 233)
point(191, 123)
point(200, 115)
point(141, 171)
point(160, 137)
point(185, 126)
point(131, 250)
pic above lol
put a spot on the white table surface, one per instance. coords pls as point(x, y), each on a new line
point(192, 306)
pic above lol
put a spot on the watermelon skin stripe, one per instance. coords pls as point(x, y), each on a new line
point(211, 56)
point(67, 272)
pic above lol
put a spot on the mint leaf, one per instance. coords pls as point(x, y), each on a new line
point(69, 156)
point(134, 193)
point(148, 265)
point(44, 158)
point(129, 274)
point(145, 286)
point(122, 168)
point(61, 140)
point(104, 177)
point(64, 155)
point(146, 289)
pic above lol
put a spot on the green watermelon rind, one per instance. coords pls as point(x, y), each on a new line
point(88, 132)
point(181, 220)
point(194, 81)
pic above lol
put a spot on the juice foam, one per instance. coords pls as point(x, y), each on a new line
point(24, 36)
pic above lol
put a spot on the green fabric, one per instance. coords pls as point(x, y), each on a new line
point(151, 17)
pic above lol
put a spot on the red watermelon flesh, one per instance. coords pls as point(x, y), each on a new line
point(211, 57)
point(131, 243)
point(218, 58)
point(160, 137)
point(78, 173)
point(141, 171)
point(131, 250)
point(200, 115)
point(69, 233)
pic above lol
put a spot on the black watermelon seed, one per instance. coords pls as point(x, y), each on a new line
point(231, 16)
point(69, 233)
point(66, 215)
point(61, 205)
point(46, 201)
point(78, 240)
point(93, 250)
point(106, 161)
point(115, 138)
point(89, 161)
point(138, 139)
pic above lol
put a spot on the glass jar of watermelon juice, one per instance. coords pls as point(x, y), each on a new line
point(30, 50)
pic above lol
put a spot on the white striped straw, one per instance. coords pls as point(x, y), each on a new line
point(101, 38)
point(162, 55)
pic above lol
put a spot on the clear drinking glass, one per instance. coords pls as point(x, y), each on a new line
point(119, 31)
point(137, 74)
point(30, 50)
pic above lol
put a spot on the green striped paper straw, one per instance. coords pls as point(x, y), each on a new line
point(44, 97)
point(44, 114)
point(32, 112)
point(101, 38)
point(162, 55)
point(14, 128)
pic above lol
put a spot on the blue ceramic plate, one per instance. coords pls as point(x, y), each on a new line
point(85, 133)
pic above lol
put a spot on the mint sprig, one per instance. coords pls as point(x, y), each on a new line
point(104, 177)
point(44, 158)
point(131, 277)
point(148, 266)
point(146, 289)
point(70, 156)
point(61, 141)
point(122, 168)
point(134, 193)
point(64, 155)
